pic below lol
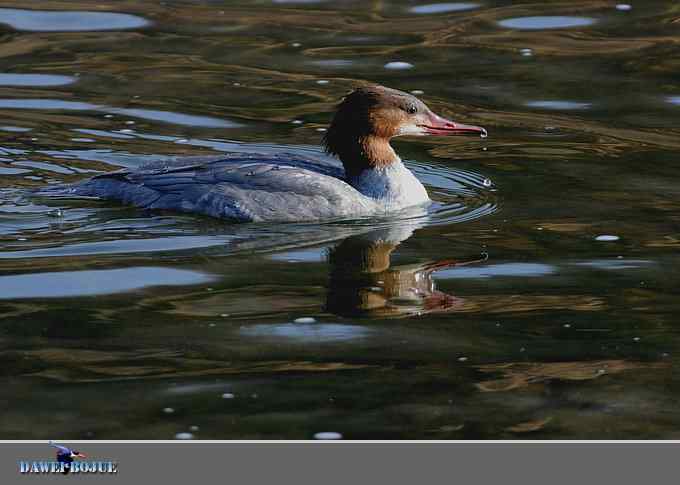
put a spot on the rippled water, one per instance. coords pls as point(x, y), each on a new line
point(536, 299)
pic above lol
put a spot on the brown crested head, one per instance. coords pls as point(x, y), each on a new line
point(370, 116)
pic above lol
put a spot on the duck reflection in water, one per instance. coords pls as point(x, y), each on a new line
point(363, 282)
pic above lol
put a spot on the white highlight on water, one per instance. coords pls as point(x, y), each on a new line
point(398, 65)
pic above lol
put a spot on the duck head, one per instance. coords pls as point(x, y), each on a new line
point(369, 117)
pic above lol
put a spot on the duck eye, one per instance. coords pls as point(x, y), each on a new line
point(411, 109)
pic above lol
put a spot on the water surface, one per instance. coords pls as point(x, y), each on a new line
point(536, 299)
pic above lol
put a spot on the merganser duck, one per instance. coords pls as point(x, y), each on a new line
point(372, 180)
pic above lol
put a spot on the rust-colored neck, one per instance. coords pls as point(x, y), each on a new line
point(366, 152)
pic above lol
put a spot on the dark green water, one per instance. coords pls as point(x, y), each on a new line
point(502, 316)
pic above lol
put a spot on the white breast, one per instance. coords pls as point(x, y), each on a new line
point(395, 186)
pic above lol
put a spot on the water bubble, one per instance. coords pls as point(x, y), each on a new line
point(193, 428)
point(322, 81)
point(526, 52)
point(108, 116)
point(304, 320)
point(483, 133)
point(224, 315)
point(487, 183)
point(567, 325)
point(296, 44)
point(168, 410)
point(228, 395)
point(297, 122)
point(184, 436)
point(236, 84)
point(56, 213)
point(624, 7)
point(130, 122)
point(607, 237)
point(328, 435)
point(212, 324)
point(636, 339)
point(417, 92)
point(462, 359)
point(321, 129)
point(126, 130)
point(398, 65)
point(182, 140)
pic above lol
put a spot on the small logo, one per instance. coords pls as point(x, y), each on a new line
point(66, 463)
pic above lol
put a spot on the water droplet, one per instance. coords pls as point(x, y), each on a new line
point(487, 183)
point(212, 324)
point(462, 359)
point(483, 133)
point(398, 65)
point(304, 320)
point(193, 428)
point(224, 315)
point(296, 44)
point(168, 410)
point(417, 92)
point(108, 116)
point(321, 129)
point(56, 213)
point(607, 237)
point(130, 122)
point(526, 52)
point(328, 435)
point(567, 325)
point(624, 7)
point(228, 395)
point(636, 339)
point(322, 81)
point(297, 122)
point(184, 436)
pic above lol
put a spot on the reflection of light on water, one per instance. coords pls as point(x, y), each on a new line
point(398, 65)
point(121, 246)
point(71, 21)
point(558, 104)
point(148, 114)
point(673, 99)
point(615, 264)
point(308, 332)
point(7, 79)
point(313, 255)
point(546, 22)
point(94, 282)
point(443, 7)
point(505, 269)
